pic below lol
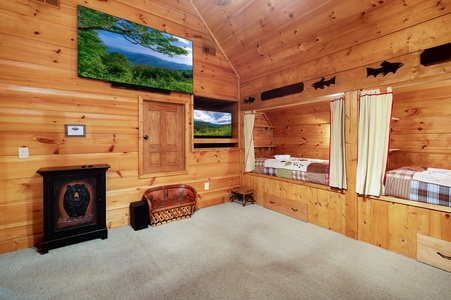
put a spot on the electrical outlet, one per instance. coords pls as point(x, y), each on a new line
point(206, 186)
point(23, 152)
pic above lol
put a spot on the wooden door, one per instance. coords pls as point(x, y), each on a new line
point(163, 137)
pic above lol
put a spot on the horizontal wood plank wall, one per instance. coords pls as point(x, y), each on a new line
point(40, 92)
point(422, 134)
point(302, 130)
point(391, 30)
point(263, 134)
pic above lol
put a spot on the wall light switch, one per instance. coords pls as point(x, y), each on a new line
point(23, 152)
point(206, 186)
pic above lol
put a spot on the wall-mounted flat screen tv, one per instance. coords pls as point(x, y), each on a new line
point(212, 124)
point(122, 52)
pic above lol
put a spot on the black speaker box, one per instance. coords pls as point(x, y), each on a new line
point(139, 215)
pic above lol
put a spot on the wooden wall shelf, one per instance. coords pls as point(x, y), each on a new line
point(263, 136)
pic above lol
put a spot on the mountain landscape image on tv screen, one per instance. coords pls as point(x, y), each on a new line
point(119, 51)
point(210, 124)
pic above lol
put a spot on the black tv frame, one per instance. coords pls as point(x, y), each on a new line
point(131, 86)
point(140, 88)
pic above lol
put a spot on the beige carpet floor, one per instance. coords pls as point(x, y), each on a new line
point(223, 252)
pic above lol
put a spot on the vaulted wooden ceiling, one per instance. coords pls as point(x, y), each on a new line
point(261, 37)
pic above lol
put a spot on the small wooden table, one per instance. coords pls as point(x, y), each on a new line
point(242, 194)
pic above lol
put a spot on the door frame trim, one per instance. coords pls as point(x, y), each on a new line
point(186, 102)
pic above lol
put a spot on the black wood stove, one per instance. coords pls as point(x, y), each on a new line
point(74, 205)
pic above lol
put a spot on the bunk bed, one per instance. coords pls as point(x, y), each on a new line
point(411, 217)
point(301, 169)
point(427, 185)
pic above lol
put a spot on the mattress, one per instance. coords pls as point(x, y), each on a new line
point(403, 183)
point(308, 170)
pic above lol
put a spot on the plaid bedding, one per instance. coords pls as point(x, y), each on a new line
point(430, 193)
point(316, 172)
point(399, 183)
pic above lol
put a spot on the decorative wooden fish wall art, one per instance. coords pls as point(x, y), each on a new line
point(323, 83)
point(249, 100)
point(283, 91)
point(386, 67)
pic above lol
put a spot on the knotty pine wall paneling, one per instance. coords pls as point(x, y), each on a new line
point(390, 30)
point(40, 92)
point(421, 134)
point(302, 130)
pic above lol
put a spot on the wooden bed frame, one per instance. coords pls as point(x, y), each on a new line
point(393, 224)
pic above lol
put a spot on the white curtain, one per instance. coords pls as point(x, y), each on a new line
point(337, 149)
point(249, 154)
point(373, 143)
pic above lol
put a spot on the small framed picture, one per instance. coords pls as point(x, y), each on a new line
point(75, 130)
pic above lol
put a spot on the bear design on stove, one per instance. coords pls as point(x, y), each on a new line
point(76, 200)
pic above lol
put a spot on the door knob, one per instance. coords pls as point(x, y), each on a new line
point(146, 137)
